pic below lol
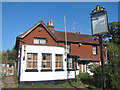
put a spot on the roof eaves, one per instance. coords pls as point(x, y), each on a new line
point(38, 23)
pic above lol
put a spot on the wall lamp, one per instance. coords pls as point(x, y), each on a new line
point(24, 51)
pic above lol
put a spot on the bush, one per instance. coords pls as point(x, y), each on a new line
point(85, 78)
point(111, 76)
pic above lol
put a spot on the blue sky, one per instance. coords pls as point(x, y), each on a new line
point(19, 17)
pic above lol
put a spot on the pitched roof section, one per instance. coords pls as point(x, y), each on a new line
point(33, 27)
point(75, 37)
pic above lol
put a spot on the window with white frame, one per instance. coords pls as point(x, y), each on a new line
point(40, 41)
point(94, 50)
point(46, 61)
point(31, 60)
point(70, 64)
point(59, 61)
point(82, 68)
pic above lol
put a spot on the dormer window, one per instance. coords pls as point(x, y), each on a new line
point(40, 41)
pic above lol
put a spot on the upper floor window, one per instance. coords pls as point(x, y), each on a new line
point(94, 50)
point(46, 61)
point(31, 60)
point(59, 61)
point(70, 63)
point(40, 41)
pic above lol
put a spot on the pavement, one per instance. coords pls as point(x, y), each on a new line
point(8, 82)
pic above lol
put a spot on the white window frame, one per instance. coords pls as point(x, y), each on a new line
point(70, 62)
point(31, 61)
point(46, 61)
point(94, 48)
point(40, 41)
point(59, 62)
point(82, 68)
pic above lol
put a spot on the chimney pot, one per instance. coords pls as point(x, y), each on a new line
point(51, 23)
point(48, 23)
point(79, 32)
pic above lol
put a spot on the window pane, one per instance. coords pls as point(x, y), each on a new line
point(46, 60)
point(56, 64)
point(34, 56)
point(48, 56)
point(43, 64)
point(34, 64)
point(29, 56)
point(94, 50)
point(28, 64)
point(43, 56)
point(36, 40)
point(48, 64)
point(80, 68)
point(58, 61)
point(60, 58)
point(83, 68)
point(32, 60)
point(60, 64)
point(42, 41)
point(70, 63)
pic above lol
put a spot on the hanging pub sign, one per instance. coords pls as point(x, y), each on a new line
point(99, 21)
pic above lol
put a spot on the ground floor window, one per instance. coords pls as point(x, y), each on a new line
point(31, 60)
point(82, 68)
point(46, 61)
point(59, 61)
point(70, 63)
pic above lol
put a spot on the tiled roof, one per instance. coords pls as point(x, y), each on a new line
point(74, 37)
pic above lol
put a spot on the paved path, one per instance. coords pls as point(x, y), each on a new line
point(9, 82)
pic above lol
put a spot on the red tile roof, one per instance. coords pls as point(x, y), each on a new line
point(74, 37)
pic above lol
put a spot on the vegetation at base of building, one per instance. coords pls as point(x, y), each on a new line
point(112, 70)
point(68, 84)
point(85, 78)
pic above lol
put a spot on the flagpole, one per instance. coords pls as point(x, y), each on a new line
point(66, 46)
point(65, 34)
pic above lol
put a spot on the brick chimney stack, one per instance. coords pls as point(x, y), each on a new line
point(50, 25)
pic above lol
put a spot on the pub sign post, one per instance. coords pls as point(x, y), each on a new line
point(99, 23)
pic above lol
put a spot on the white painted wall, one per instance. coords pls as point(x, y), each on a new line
point(48, 75)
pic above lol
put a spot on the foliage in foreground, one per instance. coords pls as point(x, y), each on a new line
point(112, 68)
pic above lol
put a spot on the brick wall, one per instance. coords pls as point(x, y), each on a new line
point(42, 34)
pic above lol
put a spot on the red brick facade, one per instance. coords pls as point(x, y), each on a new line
point(42, 34)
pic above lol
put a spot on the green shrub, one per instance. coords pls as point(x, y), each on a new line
point(85, 78)
point(111, 77)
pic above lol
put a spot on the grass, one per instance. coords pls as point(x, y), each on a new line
point(64, 85)
point(69, 84)
point(41, 85)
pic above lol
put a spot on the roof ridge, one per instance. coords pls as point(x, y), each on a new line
point(73, 33)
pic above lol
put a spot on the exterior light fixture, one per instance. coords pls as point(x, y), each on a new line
point(40, 29)
point(80, 44)
point(24, 51)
